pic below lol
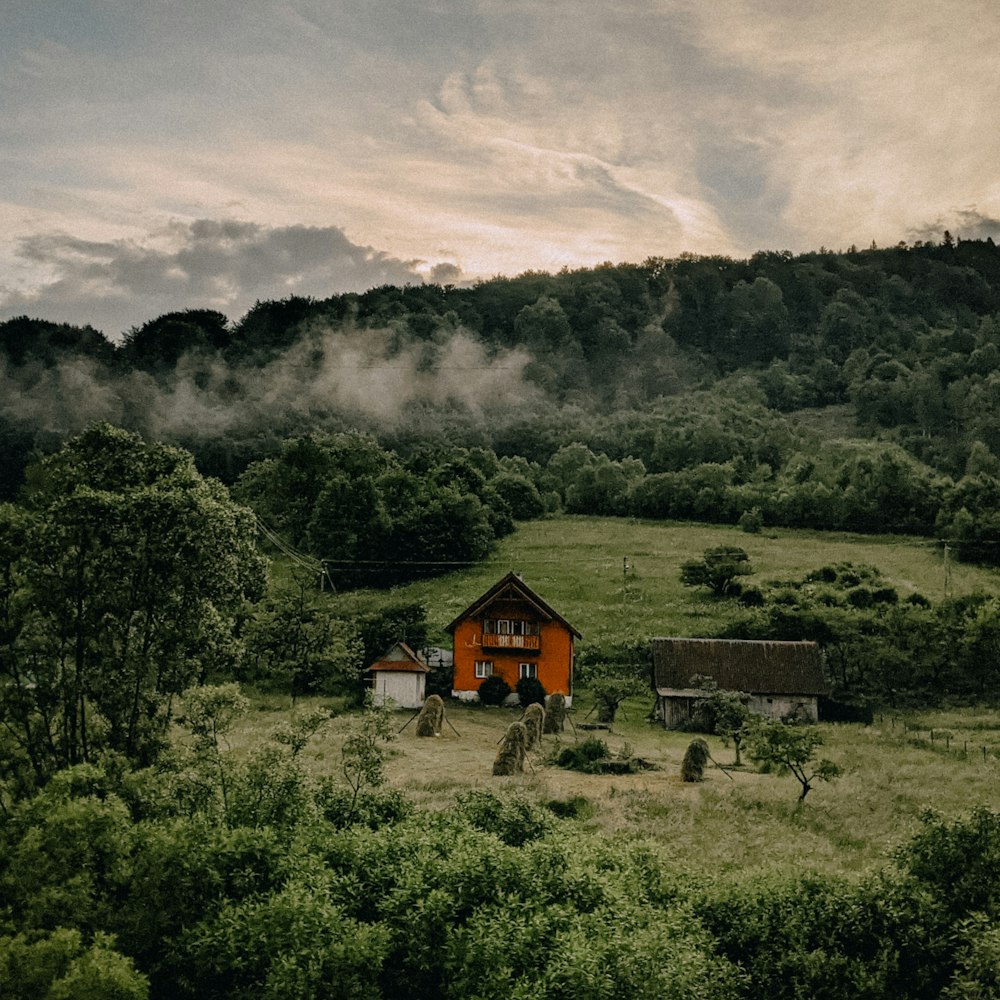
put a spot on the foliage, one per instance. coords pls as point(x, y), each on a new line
point(59, 966)
point(513, 819)
point(363, 753)
point(722, 712)
point(791, 750)
point(124, 578)
point(717, 569)
point(297, 640)
point(530, 692)
point(586, 756)
point(494, 690)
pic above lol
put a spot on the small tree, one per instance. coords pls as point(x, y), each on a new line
point(363, 753)
point(791, 749)
point(725, 713)
point(610, 687)
point(717, 569)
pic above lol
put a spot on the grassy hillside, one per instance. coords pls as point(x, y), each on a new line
point(576, 564)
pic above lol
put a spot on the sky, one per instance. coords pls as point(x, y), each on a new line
point(170, 154)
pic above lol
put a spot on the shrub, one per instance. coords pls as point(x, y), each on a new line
point(516, 821)
point(586, 756)
point(530, 692)
point(494, 691)
point(751, 521)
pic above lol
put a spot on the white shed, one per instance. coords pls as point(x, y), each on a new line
point(399, 676)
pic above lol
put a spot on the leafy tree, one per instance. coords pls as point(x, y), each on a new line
point(724, 713)
point(717, 569)
point(126, 580)
point(363, 753)
point(298, 640)
point(791, 750)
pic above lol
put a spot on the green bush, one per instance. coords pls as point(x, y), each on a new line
point(514, 820)
point(531, 692)
point(494, 691)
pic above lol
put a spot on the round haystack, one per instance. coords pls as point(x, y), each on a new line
point(431, 716)
point(555, 713)
point(695, 759)
point(510, 757)
point(534, 724)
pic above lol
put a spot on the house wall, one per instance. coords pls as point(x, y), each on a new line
point(406, 689)
point(675, 710)
point(554, 658)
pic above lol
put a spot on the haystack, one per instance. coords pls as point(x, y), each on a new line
point(510, 757)
point(431, 716)
point(534, 725)
point(555, 713)
point(695, 758)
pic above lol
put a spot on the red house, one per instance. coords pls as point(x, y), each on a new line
point(512, 633)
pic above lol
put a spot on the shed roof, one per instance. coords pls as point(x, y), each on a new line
point(400, 659)
point(757, 667)
point(511, 587)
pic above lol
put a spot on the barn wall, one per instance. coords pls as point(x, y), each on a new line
point(405, 689)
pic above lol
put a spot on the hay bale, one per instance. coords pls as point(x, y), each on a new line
point(431, 716)
point(510, 757)
point(534, 724)
point(555, 713)
point(695, 758)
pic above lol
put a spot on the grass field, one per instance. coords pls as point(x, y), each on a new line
point(577, 563)
point(742, 821)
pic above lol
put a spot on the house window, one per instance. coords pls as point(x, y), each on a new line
point(527, 670)
point(484, 669)
point(509, 626)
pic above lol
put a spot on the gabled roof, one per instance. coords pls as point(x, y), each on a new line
point(399, 657)
point(511, 587)
point(756, 667)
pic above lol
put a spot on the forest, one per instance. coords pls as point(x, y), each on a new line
point(369, 441)
point(853, 390)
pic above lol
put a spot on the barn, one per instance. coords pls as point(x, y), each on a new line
point(783, 679)
point(399, 676)
point(510, 632)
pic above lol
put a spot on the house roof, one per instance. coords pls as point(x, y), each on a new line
point(511, 587)
point(400, 659)
point(756, 667)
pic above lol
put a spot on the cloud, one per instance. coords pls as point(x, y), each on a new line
point(219, 264)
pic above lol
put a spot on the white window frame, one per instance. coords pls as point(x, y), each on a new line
point(527, 670)
point(484, 669)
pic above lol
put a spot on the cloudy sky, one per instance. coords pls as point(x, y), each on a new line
point(164, 154)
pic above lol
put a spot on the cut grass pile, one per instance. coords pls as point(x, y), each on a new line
point(738, 820)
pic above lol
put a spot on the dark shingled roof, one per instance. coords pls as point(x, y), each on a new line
point(511, 587)
point(739, 665)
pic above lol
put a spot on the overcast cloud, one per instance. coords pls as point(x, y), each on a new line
point(157, 156)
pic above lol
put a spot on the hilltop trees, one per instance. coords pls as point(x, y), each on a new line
point(122, 578)
point(717, 569)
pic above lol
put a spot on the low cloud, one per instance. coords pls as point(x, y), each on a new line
point(225, 265)
point(370, 379)
point(966, 224)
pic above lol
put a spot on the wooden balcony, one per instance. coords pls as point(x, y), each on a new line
point(497, 640)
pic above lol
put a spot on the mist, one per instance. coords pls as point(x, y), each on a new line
point(377, 380)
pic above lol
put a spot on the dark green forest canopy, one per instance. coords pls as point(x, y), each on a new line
point(856, 389)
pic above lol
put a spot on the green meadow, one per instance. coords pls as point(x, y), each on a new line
point(618, 578)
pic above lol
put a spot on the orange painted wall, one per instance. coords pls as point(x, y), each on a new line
point(554, 659)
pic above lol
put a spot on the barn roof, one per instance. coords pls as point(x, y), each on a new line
point(401, 659)
point(757, 667)
point(511, 587)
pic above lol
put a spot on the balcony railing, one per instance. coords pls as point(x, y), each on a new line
point(498, 640)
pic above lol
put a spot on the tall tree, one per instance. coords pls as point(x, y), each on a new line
point(124, 585)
